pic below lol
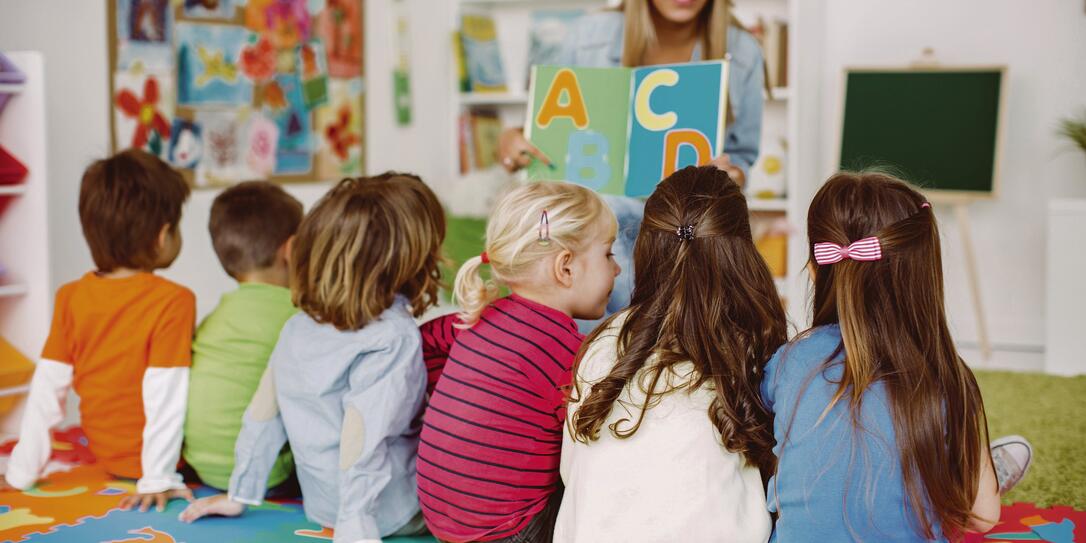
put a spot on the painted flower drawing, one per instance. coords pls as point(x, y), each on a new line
point(145, 111)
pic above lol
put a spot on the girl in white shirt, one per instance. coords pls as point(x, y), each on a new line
point(666, 431)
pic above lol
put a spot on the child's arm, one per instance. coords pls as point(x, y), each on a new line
point(986, 507)
point(437, 339)
point(384, 399)
point(165, 388)
point(258, 445)
point(44, 410)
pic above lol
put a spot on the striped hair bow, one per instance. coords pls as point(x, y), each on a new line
point(865, 250)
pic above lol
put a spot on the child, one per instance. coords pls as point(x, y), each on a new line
point(346, 382)
point(120, 334)
point(879, 424)
point(491, 437)
point(667, 433)
point(250, 226)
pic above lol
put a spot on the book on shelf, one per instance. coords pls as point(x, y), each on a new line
point(479, 38)
point(479, 130)
point(549, 29)
point(773, 36)
point(463, 81)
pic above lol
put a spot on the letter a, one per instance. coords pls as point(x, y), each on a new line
point(564, 81)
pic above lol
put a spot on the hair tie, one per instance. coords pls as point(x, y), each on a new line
point(485, 257)
point(685, 232)
point(925, 204)
point(864, 250)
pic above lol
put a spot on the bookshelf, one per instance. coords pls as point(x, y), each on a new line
point(783, 119)
point(24, 244)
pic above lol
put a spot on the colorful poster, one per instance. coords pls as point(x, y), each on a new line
point(224, 136)
point(186, 144)
point(144, 34)
point(207, 65)
point(263, 141)
point(622, 130)
point(143, 104)
point(295, 146)
point(339, 129)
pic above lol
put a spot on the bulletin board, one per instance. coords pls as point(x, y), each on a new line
point(232, 90)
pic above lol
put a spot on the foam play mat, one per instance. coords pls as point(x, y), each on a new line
point(78, 503)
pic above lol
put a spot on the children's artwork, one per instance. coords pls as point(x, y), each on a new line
point(186, 144)
point(339, 129)
point(224, 136)
point(339, 27)
point(207, 65)
point(314, 71)
point(295, 149)
point(622, 130)
point(210, 9)
point(142, 106)
point(261, 146)
point(143, 33)
point(480, 39)
point(230, 90)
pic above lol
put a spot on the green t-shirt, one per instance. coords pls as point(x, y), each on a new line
point(229, 355)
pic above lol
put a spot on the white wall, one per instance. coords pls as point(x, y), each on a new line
point(72, 36)
point(1043, 44)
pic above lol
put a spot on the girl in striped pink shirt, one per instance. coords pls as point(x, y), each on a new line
point(492, 434)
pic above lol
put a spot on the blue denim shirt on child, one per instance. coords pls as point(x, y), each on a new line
point(596, 41)
point(834, 482)
point(348, 402)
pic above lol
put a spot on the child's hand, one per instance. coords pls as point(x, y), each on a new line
point(219, 504)
point(160, 499)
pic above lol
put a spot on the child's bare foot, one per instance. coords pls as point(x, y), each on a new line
point(1011, 458)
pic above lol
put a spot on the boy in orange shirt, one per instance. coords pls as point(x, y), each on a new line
point(121, 335)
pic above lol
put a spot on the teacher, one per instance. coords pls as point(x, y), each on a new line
point(647, 32)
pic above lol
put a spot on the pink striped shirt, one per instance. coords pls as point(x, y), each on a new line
point(492, 434)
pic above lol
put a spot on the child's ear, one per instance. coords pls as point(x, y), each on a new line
point(563, 268)
point(163, 236)
point(283, 254)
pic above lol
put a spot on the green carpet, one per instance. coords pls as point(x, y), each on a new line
point(1051, 413)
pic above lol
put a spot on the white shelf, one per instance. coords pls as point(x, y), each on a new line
point(781, 94)
point(17, 289)
point(767, 204)
point(492, 98)
point(10, 190)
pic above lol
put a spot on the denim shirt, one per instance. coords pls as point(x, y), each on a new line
point(349, 403)
point(596, 41)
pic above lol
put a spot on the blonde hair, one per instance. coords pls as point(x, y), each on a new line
point(640, 33)
point(575, 214)
point(365, 241)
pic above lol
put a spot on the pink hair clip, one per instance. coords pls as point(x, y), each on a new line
point(864, 250)
point(544, 229)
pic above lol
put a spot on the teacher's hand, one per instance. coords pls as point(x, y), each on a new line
point(516, 152)
point(724, 163)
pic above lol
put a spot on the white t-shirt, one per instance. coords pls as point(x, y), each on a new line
point(672, 480)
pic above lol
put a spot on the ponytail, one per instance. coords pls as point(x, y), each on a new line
point(471, 292)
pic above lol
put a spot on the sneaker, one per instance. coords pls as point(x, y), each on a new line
point(1011, 457)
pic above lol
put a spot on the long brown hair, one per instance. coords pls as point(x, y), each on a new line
point(709, 300)
point(364, 242)
point(894, 330)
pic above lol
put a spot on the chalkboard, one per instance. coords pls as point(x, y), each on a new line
point(937, 128)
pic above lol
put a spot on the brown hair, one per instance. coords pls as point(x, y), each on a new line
point(709, 300)
point(249, 223)
point(894, 330)
point(365, 241)
point(713, 22)
point(124, 201)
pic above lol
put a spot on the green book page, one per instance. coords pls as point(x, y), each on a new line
point(578, 117)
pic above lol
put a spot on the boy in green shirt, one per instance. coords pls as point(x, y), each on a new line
point(251, 225)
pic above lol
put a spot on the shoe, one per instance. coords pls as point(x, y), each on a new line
point(1011, 458)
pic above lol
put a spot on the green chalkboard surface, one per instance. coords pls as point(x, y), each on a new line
point(936, 128)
